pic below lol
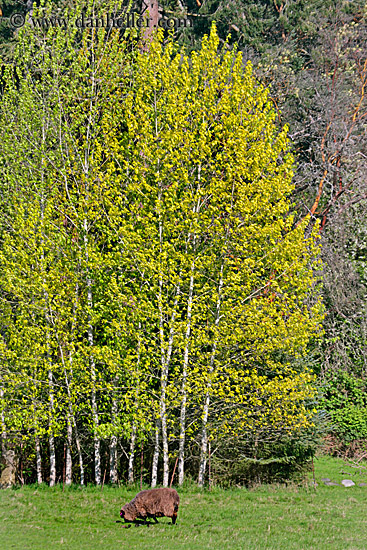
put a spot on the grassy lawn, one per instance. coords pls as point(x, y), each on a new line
point(267, 517)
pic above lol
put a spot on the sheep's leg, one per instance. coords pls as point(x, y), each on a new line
point(155, 519)
point(138, 522)
point(174, 517)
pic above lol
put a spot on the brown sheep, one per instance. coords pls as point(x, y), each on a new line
point(152, 504)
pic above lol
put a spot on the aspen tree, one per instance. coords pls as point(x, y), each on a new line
point(205, 126)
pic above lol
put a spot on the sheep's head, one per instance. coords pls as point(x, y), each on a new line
point(124, 514)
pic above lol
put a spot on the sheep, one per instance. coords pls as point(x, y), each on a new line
point(152, 504)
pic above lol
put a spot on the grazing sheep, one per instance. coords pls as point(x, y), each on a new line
point(152, 504)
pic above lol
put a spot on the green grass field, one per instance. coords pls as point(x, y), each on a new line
point(267, 517)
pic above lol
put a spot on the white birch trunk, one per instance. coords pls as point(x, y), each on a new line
point(96, 439)
point(113, 459)
point(72, 417)
point(155, 456)
point(130, 477)
point(204, 434)
point(50, 377)
point(133, 428)
point(165, 366)
point(51, 439)
point(51, 443)
point(69, 464)
point(90, 331)
point(80, 456)
point(165, 447)
point(71, 413)
point(38, 460)
point(3, 429)
point(162, 407)
point(165, 361)
point(113, 443)
point(181, 450)
point(77, 442)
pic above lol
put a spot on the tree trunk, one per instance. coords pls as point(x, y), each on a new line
point(51, 439)
point(51, 443)
point(97, 445)
point(164, 372)
point(181, 450)
point(71, 412)
point(165, 447)
point(133, 430)
point(69, 435)
point(8, 474)
point(48, 324)
point(89, 133)
point(3, 429)
point(113, 459)
point(131, 456)
point(38, 460)
point(155, 456)
point(153, 13)
point(80, 456)
point(71, 416)
point(113, 443)
point(204, 434)
point(204, 440)
point(96, 439)
point(165, 361)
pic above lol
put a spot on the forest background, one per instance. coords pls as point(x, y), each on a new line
point(79, 417)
